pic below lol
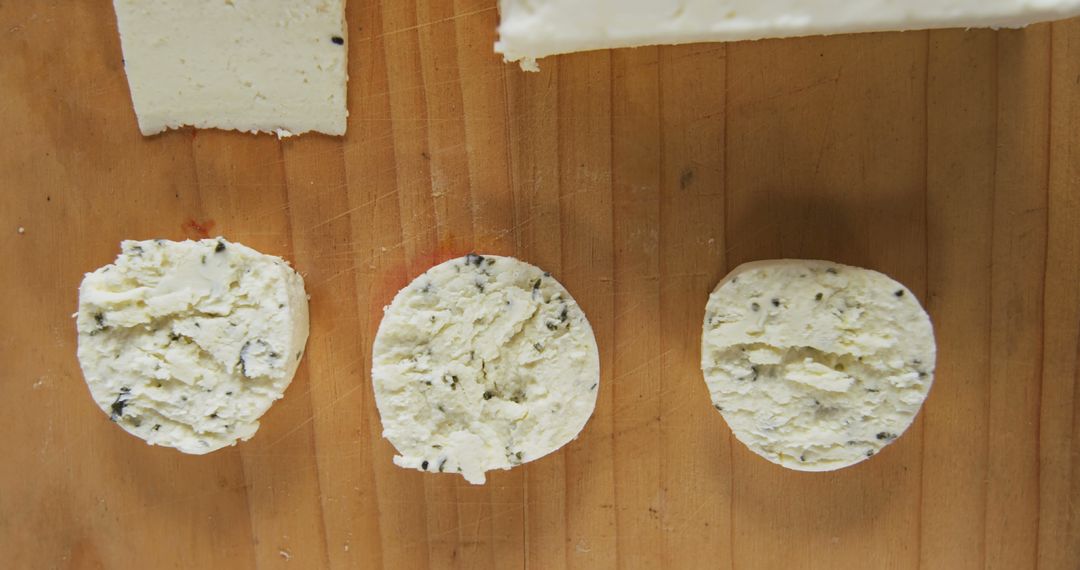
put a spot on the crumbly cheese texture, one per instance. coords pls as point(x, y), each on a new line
point(186, 344)
point(532, 29)
point(276, 66)
point(483, 363)
point(815, 365)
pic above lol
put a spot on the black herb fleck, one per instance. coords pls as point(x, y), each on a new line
point(203, 260)
point(100, 320)
point(298, 353)
point(220, 247)
point(490, 261)
point(424, 465)
point(802, 458)
point(479, 286)
point(125, 390)
point(873, 390)
point(552, 326)
point(117, 406)
point(922, 374)
point(228, 393)
point(473, 259)
point(156, 427)
point(755, 307)
point(174, 336)
point(488, 395)
point(136, 250)
point(899, 293)
point(819, 296)
point(593, 387)
point(776, 302)
point(442, 464)
point(831, 270)
point(718, 407)
point(213, 416)
point(755, 376)
point(538, 347)
point(870, 453)
point(886, 436)
point(338, 40)
point(563, 315)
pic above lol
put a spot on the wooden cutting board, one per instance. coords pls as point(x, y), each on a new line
point(947, 159)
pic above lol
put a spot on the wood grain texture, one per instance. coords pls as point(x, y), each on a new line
point(948, 159)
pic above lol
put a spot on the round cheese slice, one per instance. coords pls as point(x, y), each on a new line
point(186, 344)
point(483, 363)
point(815, 365)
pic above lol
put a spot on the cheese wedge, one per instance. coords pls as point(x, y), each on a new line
point(532, 29)
point(815, 365)
point(482, 363)
point(276, 66)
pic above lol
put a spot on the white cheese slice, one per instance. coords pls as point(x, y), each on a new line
point(482, 363)
point(186, 344)
point(275, 66)
point(815, 365)
point(532, 29)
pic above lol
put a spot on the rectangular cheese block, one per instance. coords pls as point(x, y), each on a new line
point(251, 65)
point(532, 29)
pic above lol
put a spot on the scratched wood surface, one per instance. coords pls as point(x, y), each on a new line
point(948, 159)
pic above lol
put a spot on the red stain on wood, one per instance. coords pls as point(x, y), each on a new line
point(197, 230)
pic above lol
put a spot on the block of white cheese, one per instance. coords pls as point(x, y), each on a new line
point(482, 363)
point(274, 66)
point(186, 344)
point(815, 365)
point(532, 29)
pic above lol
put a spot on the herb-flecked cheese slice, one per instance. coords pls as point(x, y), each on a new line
point(276, 66)
point(482, 363)
point(815, 365)
point(186, 344)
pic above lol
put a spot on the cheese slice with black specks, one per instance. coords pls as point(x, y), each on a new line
point(187, 344)
point(275, 66)
point(532, 29)
point(815, 365)
point(483, 363)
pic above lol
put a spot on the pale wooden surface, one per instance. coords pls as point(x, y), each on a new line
point(949, 159)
